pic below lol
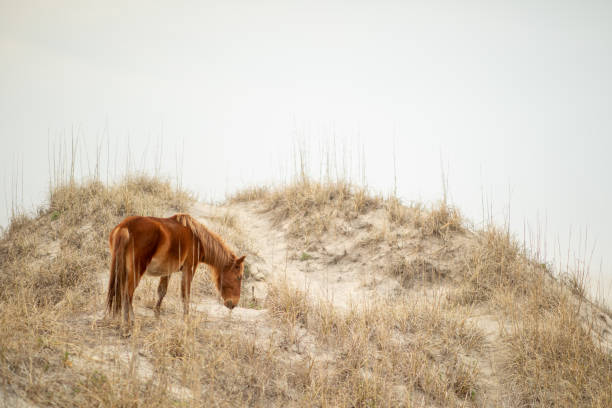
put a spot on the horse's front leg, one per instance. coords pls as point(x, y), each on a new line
point(186, 287)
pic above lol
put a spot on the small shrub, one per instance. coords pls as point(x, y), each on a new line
point(305, 256)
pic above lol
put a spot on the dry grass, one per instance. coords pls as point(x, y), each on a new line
point(550, 355)
point(55, 352)
point(399, 350)
point(50, 265)
point(65, 244)
point(249, 194)
point(316, 208)
point(398, 213)
point(439, 220)
point(409, 271)
point(396, 353)
point(498, 270)
point(312, 208)
point(553, 358)
point(554, 361)
point(287, 305)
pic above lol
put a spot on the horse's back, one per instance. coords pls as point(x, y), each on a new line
point(164, 239)
point(139, 225)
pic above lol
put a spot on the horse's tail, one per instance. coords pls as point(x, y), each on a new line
point(117, 284)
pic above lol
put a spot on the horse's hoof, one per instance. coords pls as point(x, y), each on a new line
point(126, 330)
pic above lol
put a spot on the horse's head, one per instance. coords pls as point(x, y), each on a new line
point(230, 282)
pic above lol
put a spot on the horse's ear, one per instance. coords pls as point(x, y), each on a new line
point(240, 260)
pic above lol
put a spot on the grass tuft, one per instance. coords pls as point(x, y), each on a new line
point(408, 271)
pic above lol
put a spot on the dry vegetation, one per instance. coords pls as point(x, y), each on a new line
point(314, 208)
point(548, 351)
point(440, 220)
point(424, 343)
point(384, 353)
point(51, 267)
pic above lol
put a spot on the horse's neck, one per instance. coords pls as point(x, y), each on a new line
point(214, 252)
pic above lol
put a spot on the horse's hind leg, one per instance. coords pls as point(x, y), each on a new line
point(128, 309)
point(134, 275)
point(128, 315)
point(162, 288)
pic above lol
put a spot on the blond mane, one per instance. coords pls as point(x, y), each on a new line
point(216, 253)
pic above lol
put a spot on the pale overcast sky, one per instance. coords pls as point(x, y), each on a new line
point(515, 96)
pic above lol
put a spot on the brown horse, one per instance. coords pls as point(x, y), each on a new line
point(161, 246)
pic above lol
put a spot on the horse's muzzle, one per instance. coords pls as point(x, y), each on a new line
point(229, 304)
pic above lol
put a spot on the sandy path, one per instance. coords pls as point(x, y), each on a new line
point(342, 283)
